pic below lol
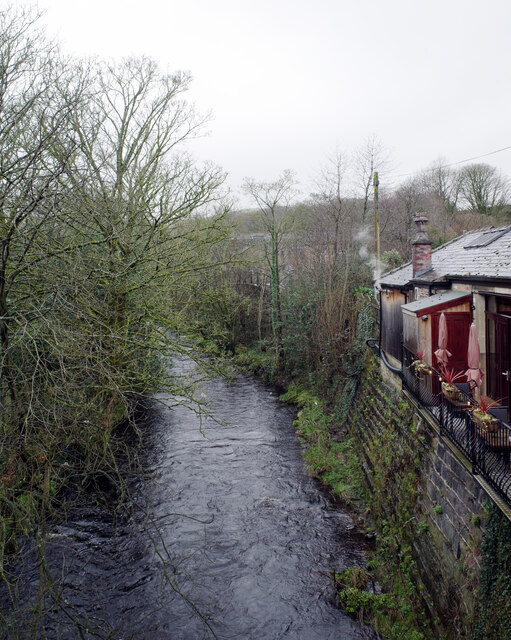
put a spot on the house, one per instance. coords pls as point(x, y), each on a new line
point(469, 281)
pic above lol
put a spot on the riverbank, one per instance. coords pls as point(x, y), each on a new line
point(397, 611)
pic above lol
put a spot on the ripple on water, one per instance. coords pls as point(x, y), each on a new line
point(233, 537)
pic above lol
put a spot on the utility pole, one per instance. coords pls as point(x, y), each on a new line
point(376, 183)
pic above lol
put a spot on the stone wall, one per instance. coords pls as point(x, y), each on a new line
point(424, 500)
point(454, 506)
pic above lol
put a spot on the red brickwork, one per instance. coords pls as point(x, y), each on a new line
point(421, 257)
point(421, 249)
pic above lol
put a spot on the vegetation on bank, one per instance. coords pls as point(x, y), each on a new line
point(390, 454)
point(102, 217)
point(386, 592)
point(330, 454)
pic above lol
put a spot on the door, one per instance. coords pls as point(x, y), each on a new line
point(502, 389)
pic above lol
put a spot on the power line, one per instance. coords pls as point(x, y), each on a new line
point(452, 164)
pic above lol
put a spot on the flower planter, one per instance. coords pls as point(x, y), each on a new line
point(454, 395)
point(485, 421)
point(420, 368)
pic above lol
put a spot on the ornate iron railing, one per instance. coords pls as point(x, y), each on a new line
point(422, 384)
point(487, 446)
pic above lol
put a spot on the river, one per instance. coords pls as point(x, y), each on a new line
point(229, 537)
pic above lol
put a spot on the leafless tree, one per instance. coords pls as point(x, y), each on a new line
point(273, 200)
point(483, 188)
point(370, 157)
point(396, 213)
point(332, 244)
point(38, 94)
point(444, 183)
point(136, 194)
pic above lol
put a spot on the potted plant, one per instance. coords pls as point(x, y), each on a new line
point(419, 366)
point(480, 414)
point(452, 393)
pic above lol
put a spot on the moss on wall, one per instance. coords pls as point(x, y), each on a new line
point(439, 548)
point(494, 611)
point(390, 448)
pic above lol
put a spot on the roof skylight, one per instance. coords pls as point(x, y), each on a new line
point(485, 239)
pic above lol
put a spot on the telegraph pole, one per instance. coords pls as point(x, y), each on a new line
point(376, 183)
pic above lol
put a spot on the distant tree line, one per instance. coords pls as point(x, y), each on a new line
point(455, 199)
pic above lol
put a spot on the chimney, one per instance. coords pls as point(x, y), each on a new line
point(421, 248)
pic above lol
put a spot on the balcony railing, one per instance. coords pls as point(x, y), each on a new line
point(487, 447)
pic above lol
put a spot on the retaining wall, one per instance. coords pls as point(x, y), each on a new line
point(423, 494)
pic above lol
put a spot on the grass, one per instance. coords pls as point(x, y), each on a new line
point(329, 457)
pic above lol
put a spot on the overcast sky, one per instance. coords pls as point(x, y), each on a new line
point(289, 81)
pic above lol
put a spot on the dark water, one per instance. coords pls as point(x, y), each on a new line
point(229, 537)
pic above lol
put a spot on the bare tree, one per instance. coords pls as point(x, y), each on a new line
point(444, 183)
point(134, 193)
point(370, 157)
point(273, 200)
point(37, 97)
point(483, 188)
point(397, 210)
point(331, 237)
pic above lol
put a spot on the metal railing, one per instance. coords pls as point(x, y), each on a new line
point(421, 384)
point(487, 446)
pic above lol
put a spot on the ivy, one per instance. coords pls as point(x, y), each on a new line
point(494, 614)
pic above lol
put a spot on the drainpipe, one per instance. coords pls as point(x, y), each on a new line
point(379, 333)
point(373, 343)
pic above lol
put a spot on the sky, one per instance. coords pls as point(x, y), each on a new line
point(289, 82)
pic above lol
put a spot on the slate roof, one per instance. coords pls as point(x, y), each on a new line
point(453, 259)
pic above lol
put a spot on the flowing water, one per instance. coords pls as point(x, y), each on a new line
point(229, 537)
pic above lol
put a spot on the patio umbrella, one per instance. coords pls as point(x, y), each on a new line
point(473, 355)
point(441, 353)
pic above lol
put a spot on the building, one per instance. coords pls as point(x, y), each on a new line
point(468, 280)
